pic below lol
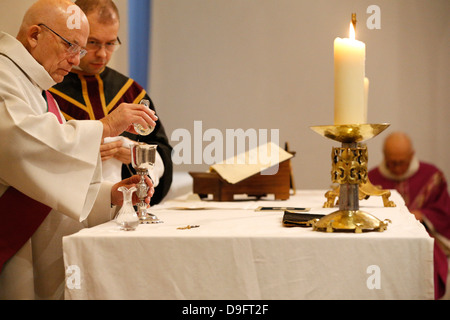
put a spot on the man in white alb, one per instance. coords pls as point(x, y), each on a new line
point(50, 170)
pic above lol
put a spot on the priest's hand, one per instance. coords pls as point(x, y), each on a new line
point(123, 155)
point(117, 196)
point(116, 150)
point(123, 117)
point(108, 150)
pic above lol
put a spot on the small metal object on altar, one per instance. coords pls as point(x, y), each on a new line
point(349, 170)
point(188, 227)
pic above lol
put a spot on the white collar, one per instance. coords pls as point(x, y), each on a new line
point(413, 168)
point(16, 52)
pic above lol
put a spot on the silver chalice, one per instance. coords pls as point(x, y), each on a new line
point(143, 158)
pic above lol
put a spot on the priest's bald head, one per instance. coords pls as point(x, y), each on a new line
point(49, 37)
point(398, 153)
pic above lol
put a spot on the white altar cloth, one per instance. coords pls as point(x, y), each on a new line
point(238, 253)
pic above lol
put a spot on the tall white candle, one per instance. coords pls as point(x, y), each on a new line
point(349, 73)
point(366, 98)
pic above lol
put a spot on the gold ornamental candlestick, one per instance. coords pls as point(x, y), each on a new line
point(349, 169)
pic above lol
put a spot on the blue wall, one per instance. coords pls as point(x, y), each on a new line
point(139, 22)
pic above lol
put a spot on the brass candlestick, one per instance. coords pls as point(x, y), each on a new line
point(349, 169)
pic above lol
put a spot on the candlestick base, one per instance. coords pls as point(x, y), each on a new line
point(349, 221)
point(366, 190)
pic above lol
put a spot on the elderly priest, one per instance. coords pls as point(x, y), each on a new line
point(424, 189)
point(49, 169)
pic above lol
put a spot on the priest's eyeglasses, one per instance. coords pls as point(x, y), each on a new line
point(93, 45)
point(73, 49)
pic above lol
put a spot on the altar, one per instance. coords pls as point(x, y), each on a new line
point(208, 250)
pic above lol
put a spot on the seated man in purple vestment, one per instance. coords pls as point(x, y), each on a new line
point(424, 189)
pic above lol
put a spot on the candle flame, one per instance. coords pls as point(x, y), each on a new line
point(352, 31)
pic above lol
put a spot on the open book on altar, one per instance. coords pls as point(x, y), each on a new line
point(264, 159)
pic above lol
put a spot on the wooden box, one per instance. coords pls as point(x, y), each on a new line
point(258, 185)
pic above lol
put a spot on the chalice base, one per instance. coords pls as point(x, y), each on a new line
point(349, 220)
point(149, 218)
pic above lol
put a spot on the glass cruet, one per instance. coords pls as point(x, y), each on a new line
point(127, 218)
